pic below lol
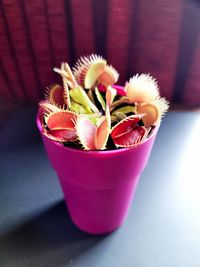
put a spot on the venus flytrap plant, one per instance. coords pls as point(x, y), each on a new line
point(55, 95)
point(93, 70)
point(95, 135)
point(61, 126)
point(127, 132)
point(141, 88)
point(75, 92)
point(94, 113)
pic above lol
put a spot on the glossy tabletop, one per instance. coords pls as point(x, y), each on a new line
point(163, 226)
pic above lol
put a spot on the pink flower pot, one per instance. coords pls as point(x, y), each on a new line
point(98, 185)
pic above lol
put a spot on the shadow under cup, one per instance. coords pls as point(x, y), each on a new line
point(98, 186)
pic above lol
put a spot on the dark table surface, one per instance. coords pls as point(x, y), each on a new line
point(163, 226)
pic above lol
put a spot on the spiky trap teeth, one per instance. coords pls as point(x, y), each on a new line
point(93, 112)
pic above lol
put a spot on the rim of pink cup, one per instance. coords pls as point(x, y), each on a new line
point(116, 151)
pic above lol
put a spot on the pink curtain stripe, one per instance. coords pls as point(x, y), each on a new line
point(119, 27)
point(191, 94)
point(156, 43)
point(83, 27)
point(39, 38)
point(6, 95)
point(25, 64)
point(7, 56)
point(58, 30)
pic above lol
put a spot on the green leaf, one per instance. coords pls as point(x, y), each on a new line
point(120, 115)
point(78, 108)
point(125, 110)
point(100, 98)
point(79, 95)
point(93, 118)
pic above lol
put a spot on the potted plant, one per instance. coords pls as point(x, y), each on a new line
point(98, 137)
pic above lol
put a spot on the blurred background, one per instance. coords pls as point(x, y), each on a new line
point(158, 37)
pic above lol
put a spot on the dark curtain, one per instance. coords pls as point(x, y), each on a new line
point(158, 37)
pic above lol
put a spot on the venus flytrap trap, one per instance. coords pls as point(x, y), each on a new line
point(91, 112)
point(111, 129)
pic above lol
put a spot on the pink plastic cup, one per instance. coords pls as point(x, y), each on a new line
point(98, 185)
